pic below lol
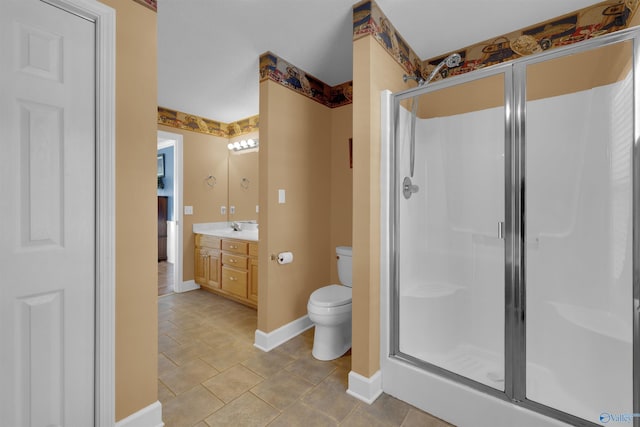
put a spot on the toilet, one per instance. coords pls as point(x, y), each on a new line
point(329, 309)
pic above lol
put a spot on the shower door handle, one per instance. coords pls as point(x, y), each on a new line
point(501, 230)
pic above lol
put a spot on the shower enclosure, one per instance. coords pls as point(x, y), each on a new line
point(510, 262)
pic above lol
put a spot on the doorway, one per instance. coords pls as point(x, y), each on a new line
point(170, 154)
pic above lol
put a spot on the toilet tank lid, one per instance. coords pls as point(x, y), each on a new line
point(344, 250)
point(331, 296)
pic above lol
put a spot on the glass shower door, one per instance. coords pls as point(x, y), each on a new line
point(578, 232)
point(450, 252)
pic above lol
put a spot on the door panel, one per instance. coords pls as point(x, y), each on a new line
point(451, 249)
point(578, 232)
point(47, 248)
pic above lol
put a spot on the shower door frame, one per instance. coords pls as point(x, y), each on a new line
point(514, 73)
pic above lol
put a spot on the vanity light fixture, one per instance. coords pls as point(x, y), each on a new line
point(243, 145)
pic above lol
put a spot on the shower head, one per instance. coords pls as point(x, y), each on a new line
point(450, 61)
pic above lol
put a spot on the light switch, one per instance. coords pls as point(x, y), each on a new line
point(188, 210)
point(281, 196)
point(257, 209)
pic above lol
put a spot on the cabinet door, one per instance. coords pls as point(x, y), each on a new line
point(253, 279)
point(201, 267)
point(213, 267)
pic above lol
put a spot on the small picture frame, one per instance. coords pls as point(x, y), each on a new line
point(160, 165)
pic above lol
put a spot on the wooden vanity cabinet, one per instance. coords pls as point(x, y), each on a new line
point(207, 261)
point(235, 269)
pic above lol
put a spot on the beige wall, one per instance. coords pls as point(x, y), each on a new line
point(203, 155)
point(297, 139)
point(374, 70)
point(136, 233)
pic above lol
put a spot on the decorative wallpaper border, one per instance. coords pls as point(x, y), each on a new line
point(595, 20)
point(276, 69)
point(151, 4)
point(368, 19)
point(180, 120)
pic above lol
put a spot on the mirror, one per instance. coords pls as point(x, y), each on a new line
point(243, 186)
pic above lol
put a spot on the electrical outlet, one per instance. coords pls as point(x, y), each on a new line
point(232, 210)
point(257, 209)
point(188, 210)
point(223, 210)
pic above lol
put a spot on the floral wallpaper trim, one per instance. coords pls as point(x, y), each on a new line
point(595, 20)
point(276, 69)
point(180, 120)
point(151, 4)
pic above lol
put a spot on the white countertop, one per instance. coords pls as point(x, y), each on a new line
point(223, 229)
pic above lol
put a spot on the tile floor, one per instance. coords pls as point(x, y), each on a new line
point(210, 374)
point(165, 278)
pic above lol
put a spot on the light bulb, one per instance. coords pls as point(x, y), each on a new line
point(230, 146)
point(251, 143)
point(243, 143)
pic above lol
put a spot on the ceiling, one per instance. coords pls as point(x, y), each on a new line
point(208, 50)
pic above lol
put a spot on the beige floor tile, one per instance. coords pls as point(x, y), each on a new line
point(267, 364)
point(311, 369)
point(166, 343)
point(224, 356)
point(282, 389)
point(186, 353)
point(233, 382)
point(190, 407)
point(360, 418)
point(330, 397)
point(388, 409)
point(164, 394)
point(212, 340)
point(417, 418)
point(298, 347)
point(247, 410)
point(187, 376)
point(165, 364)
point(301, 414)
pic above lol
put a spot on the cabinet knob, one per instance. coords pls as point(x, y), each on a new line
point(232, 278)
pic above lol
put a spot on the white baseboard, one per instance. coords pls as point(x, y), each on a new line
point(363, 388)
point(151, 416)
point(189, 285)
point(268, 341)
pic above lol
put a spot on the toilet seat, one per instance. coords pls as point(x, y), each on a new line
point(331, 296)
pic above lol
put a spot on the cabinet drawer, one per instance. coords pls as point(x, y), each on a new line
point(253, 249)
point(234, 281)
point(234, 246)
point(236, 261)
point(208, 241)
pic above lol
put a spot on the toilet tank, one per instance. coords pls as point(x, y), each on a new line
point(343, 253)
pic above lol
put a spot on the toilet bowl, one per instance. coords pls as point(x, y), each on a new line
point(329, 308)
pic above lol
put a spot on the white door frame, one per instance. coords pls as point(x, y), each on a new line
point(176, 140)
point(104, 18)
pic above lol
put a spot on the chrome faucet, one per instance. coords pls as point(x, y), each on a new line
point(235, 226)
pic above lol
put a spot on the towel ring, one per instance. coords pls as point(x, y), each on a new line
point(210, 180)
point(245, 183)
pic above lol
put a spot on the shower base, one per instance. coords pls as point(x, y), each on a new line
point(469, 361)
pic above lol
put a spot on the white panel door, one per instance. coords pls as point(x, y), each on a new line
point(47, 222)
